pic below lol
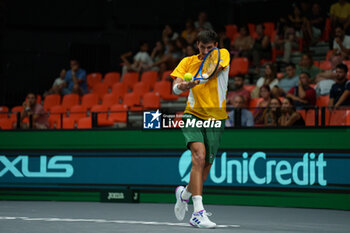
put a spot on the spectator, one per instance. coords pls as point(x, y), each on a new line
point(190, 51)
point(301, 25)
point(239, 90)
point(303, 95)
point(142, 61)
point(330, 74)
point(307, 65)
point(243, 43)
point(289, 116)
point(287, 41)
point(341, 42)
point(181, 45)
point(259, 113)
point(190, 32)
point(170, 58)
point(202, 23)
point(290, 80)
point(273, 112)
point(262, 47)
point(340, 91)
point(75, 79)
point(247, 119)
point(168, 35)
point(339, 14)
point(317, 21)
point(224, 41)
point(31, 108)
point(269, 78)
point(157, 55)
point(58, 84)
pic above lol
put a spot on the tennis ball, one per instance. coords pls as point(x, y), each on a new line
point(188, 77)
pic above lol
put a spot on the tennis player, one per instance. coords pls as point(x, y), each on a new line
point(206, 100)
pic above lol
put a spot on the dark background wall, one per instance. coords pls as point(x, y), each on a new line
point(38, 37)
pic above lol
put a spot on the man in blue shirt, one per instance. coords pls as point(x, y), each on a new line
point(247, 119)
point(291, 80)
point(75, 79)
point(340, 91)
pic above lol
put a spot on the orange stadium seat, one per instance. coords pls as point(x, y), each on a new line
point(131, 100)
point(6, 123)
point(338, 117)
point(151, 100)
point(76, 112)
point(68, 123)
point(100, 89)
point(269, 28)
point(56, 112)
point(322, 101)
point(51, 100)
point(166, 75)
point(325, 65)
point(239, 65)
point(110, 99)
point(150, 78)
point(89, 100)
point(84, 123)
point(140, 88)
point(119, 90)
point(70, 100)
point(14, 112)
point(231, 30)
point(130, 78)
point(93, 78)
point(327, 30)
point(111, 78)
point(165, 91)
point(4, 112)
point(249, 88)
point(118, 113)
point(102, 115)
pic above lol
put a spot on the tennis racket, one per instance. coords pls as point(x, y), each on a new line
point(209, 65)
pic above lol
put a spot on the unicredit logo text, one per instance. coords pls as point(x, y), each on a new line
point(258, 169)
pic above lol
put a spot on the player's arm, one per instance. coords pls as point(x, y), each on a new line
point(180, 85)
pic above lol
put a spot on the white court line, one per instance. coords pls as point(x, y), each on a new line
point(105, 221)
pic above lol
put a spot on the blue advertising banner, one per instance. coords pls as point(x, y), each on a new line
point(93, 169)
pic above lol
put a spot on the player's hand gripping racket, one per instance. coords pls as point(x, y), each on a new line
point(209, 65)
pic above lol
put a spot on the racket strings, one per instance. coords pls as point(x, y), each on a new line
point(210, 63)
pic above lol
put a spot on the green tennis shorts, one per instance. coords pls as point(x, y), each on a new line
point(200, 132)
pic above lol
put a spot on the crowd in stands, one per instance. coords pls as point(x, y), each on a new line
point(267, 89)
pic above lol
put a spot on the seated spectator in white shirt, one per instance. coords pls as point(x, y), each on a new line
point(57, 85)
point(341, 42)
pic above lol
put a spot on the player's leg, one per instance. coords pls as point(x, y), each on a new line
point(212, 141)
point(195, 185)
point(206, 171)
point(194, 138)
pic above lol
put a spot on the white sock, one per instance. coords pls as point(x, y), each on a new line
point(186, 194)
point(197, 203)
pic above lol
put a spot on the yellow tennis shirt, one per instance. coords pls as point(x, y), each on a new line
point(206, 100)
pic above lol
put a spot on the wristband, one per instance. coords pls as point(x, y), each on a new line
point(176, 90)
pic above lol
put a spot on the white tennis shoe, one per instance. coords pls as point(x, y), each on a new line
point(200, 219)
point(181, 205)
